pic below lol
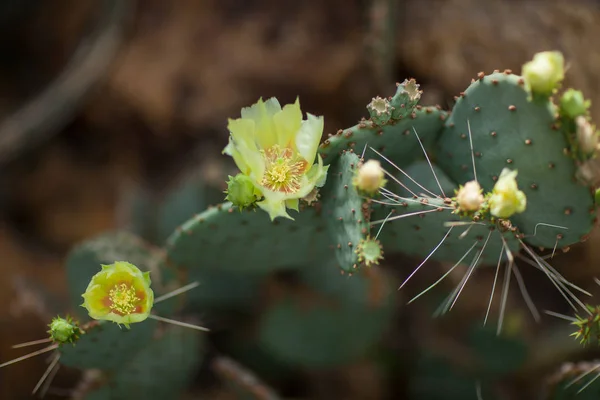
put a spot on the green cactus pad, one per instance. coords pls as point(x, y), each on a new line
point(509, 130)
point(335, 325)
point(85, 260)
point(107, 347)
point(396, 141)
point(161, 370)
point(247, 242)
point(345, 210)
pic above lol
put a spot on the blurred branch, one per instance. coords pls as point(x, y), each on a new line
point(52, 109)
point(244, 380)
point(381, 37)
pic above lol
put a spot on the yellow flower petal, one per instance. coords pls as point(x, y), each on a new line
point(309, 137)
point(287, 123)
point(262, 114)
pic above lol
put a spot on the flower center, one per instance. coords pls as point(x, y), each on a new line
point(283, 170)
point(122, 299)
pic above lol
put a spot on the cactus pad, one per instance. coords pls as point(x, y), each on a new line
point(395, 140)
point(510, 130)
point(335, 322)
point(345, 210)
point(161, 370)
point(107, 347)
point(247, 242)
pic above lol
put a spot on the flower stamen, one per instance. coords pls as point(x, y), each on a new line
point(122, 299)
point(282, 170)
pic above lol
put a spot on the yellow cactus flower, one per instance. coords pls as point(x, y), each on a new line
point(544, 73)
point(276, 149)
point(120, 293)
point(506, 198)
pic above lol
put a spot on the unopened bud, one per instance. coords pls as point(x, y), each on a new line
point(369, 177)
point(544, 73)
point(587, 137)
point(241, 192)
point(573, 104)
point(380, 110)
point(469, 197)
point(406, 98)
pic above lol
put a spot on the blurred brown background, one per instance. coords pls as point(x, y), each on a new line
point(102, 98)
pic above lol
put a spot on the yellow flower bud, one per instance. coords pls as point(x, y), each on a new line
point(369, 177)
point(587, 137)
point(544, 72)
point(469, 197)
point(506, 198)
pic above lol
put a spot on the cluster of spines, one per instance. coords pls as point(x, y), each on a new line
point(588, 326)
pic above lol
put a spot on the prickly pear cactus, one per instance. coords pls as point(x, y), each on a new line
point(508, 128)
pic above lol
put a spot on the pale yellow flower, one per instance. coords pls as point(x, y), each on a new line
point(120, 293)
point(276, 149)
point(544, 73)
point(506, 198)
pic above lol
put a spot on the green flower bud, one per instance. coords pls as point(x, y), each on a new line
point(241, 191)
point(380, 110)
point(64, 330)
point(406, 98)
point(573, 104)
point(544, 73)
point(369, 251)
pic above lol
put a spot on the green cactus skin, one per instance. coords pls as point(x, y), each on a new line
point(395, 140)
point(341, 327)
point(85, 259)
point(498, 356)
point(347, 213)
point(405, 99)
point(248, 242)
point(509, 130)
point(107, 347)
point(161, 370)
